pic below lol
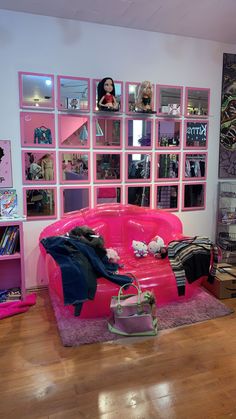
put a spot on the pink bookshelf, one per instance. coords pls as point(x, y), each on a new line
point(12, 265)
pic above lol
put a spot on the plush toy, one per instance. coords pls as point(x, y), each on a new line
point(156, 245)
point(140, 249)
point(112, 255)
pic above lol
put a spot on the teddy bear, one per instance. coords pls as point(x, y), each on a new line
point(112, 255)
point(140, 249)
point(156, 245)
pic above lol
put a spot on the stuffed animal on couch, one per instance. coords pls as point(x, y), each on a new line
point(112, 255)
point(140, 248)
point(157, 247)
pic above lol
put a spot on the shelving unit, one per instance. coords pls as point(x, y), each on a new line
point(226, 221)
point(12, 265)
point(90, 147)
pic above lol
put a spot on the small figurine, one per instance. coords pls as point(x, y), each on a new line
point(144, 97)
point(174, 109)
point(106, 95)
point(74, 103)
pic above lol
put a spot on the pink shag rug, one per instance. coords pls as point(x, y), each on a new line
point(75, 331)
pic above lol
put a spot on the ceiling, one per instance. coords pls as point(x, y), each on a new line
point(206, 19)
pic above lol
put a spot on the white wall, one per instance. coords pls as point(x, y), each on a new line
point(50, 45)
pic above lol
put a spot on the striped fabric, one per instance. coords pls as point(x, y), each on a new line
point(191, 258)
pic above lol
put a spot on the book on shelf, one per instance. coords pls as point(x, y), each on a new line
point(11, 294)
point(8, 203)
point(9, 241)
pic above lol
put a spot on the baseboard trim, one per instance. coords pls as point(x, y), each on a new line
point(37, 288)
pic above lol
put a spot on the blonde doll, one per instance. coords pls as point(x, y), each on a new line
point(144, 97)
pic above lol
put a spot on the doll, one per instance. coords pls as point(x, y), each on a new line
point(47, 167)
point(106, 95)
point(144, 97)
point(35, 170)
point(1, 153)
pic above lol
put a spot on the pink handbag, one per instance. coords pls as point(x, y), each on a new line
point(133, 314)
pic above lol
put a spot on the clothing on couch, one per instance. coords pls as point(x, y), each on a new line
point(191, 258)
point(80, 267)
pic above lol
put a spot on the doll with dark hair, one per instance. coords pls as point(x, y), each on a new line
point(1, 153)
point(106, 95)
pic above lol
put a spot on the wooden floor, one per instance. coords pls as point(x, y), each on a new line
point(183, 373)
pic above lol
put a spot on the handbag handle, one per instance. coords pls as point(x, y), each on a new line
point(135, 286)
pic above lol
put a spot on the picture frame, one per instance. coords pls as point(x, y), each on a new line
point(74, 166)
point(74, 131)
point(195, 166)
point(107, 132)
point(38, 166)
point(140, 195)
point(167, 196)
point(227, 147)
point(133, 93)
point(107, 194)
point(40, 203)
point(139, 133)
point(167, 166)
point(194, 196)
point(138, 167)
point(108, 167)
point(169, 100)
point(5, 164)
point(197, 102)
point(73, 94)
point(36, 90)
point(37, 129)
point(119, 96)
point(196, 134)
point(168, 133)
point(74, 198)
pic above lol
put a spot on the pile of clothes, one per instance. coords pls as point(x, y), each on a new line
point(83, 259)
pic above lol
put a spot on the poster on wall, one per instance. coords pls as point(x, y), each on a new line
point(5, 164)
point(227, 152)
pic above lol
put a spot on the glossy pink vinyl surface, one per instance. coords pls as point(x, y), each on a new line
point(120, 225)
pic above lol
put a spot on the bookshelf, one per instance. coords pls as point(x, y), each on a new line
point(12, 256)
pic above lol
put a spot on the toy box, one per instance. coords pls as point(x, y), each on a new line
point(8, 203)
point(224, 285)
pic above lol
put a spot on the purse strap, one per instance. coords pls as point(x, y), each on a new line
point(139, 292)
point(134, 278)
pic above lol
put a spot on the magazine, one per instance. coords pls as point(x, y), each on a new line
point(8, 203)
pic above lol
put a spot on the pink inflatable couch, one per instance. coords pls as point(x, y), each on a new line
point(120, 225)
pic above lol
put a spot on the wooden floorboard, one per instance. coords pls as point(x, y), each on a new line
point(183, 373)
